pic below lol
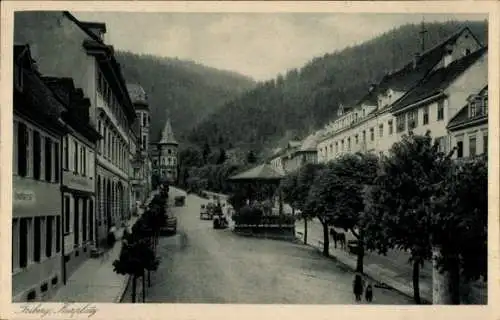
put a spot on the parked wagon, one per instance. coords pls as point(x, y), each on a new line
point(179, 201)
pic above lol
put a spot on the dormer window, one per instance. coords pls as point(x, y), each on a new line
point(18, 78)
point(467, 52)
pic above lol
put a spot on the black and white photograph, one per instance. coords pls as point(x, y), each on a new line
point(277, 158)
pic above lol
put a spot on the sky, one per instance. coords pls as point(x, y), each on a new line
point(259, 45)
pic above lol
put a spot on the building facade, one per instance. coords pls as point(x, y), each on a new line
point(67, 47)
point(78, 176)
point(299, 153)
point(140, 159)
point(165, 157)
point(421, 96)
point(469, 127)
point(36, 175)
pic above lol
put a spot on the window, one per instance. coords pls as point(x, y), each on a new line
point(48, 244)
point(37, 240)
point(485, 143)
point(75, 159)
point(67, 214)
point(76, 223)
point(84, 220)
point(472, 146)
point(412, 119)
point(66, 153)
point(84, 161)
point(441, 141)
point(336, 147)
point(426, 115)
point(372, 134)
point(23, 241)
point(472, 108)
point(381, 130)
point(440, 110)
point(364, 136)
point(58, 234)
point(349, 144)
point(467, 51)
point(91, 219)
point(390, 127)
point(37, 154)
point(48, 159)
point(356, 137)
point(144, 120)
point(56, 162)
point(22, 149)
point(400, 123)
point(144, 140)
point(169, 151)
point(460, 149)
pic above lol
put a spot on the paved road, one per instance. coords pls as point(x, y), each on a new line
point(203, 265)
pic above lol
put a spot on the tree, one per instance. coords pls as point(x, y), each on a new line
point(191, 156)
point(136, 255)
point(461, 208)
point(338, 196)
point(206, 152)
point(222, 156)
point(295, 188)
point(251, 158)
point(398, 214)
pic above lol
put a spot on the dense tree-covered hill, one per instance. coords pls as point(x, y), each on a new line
point(189, 92)
point(305, 99)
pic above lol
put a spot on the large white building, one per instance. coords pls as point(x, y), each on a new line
point(424, 95)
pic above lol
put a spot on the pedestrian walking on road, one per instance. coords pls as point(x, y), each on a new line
point(358, 287)
point(369, 293)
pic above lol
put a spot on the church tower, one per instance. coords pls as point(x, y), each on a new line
point(167, 152)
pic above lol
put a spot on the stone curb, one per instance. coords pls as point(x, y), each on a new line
point(123, 290)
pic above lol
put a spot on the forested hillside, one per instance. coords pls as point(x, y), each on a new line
point(189, 91)
point(305, 99)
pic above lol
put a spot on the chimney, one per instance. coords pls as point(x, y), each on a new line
point(416, 58)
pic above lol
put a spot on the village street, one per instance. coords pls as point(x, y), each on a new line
point(203, 265)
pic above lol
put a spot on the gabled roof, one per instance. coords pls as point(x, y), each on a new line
point(294, 143)
point(438, 80)
point(406, 77)
point(167, 135)
point(462, 117)
point(310, 143)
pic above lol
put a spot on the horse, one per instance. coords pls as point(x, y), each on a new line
point(338, 236)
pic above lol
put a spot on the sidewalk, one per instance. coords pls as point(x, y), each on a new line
point(393, 270)
point(95, 280)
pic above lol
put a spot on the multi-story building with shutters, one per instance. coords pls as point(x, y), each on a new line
point(36, 180)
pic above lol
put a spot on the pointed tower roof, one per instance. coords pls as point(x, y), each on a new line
point(167, 135)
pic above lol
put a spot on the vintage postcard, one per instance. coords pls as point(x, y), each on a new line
point(191, 160)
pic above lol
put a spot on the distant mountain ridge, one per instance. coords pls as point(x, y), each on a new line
point(305, 99)
point(184, 90)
